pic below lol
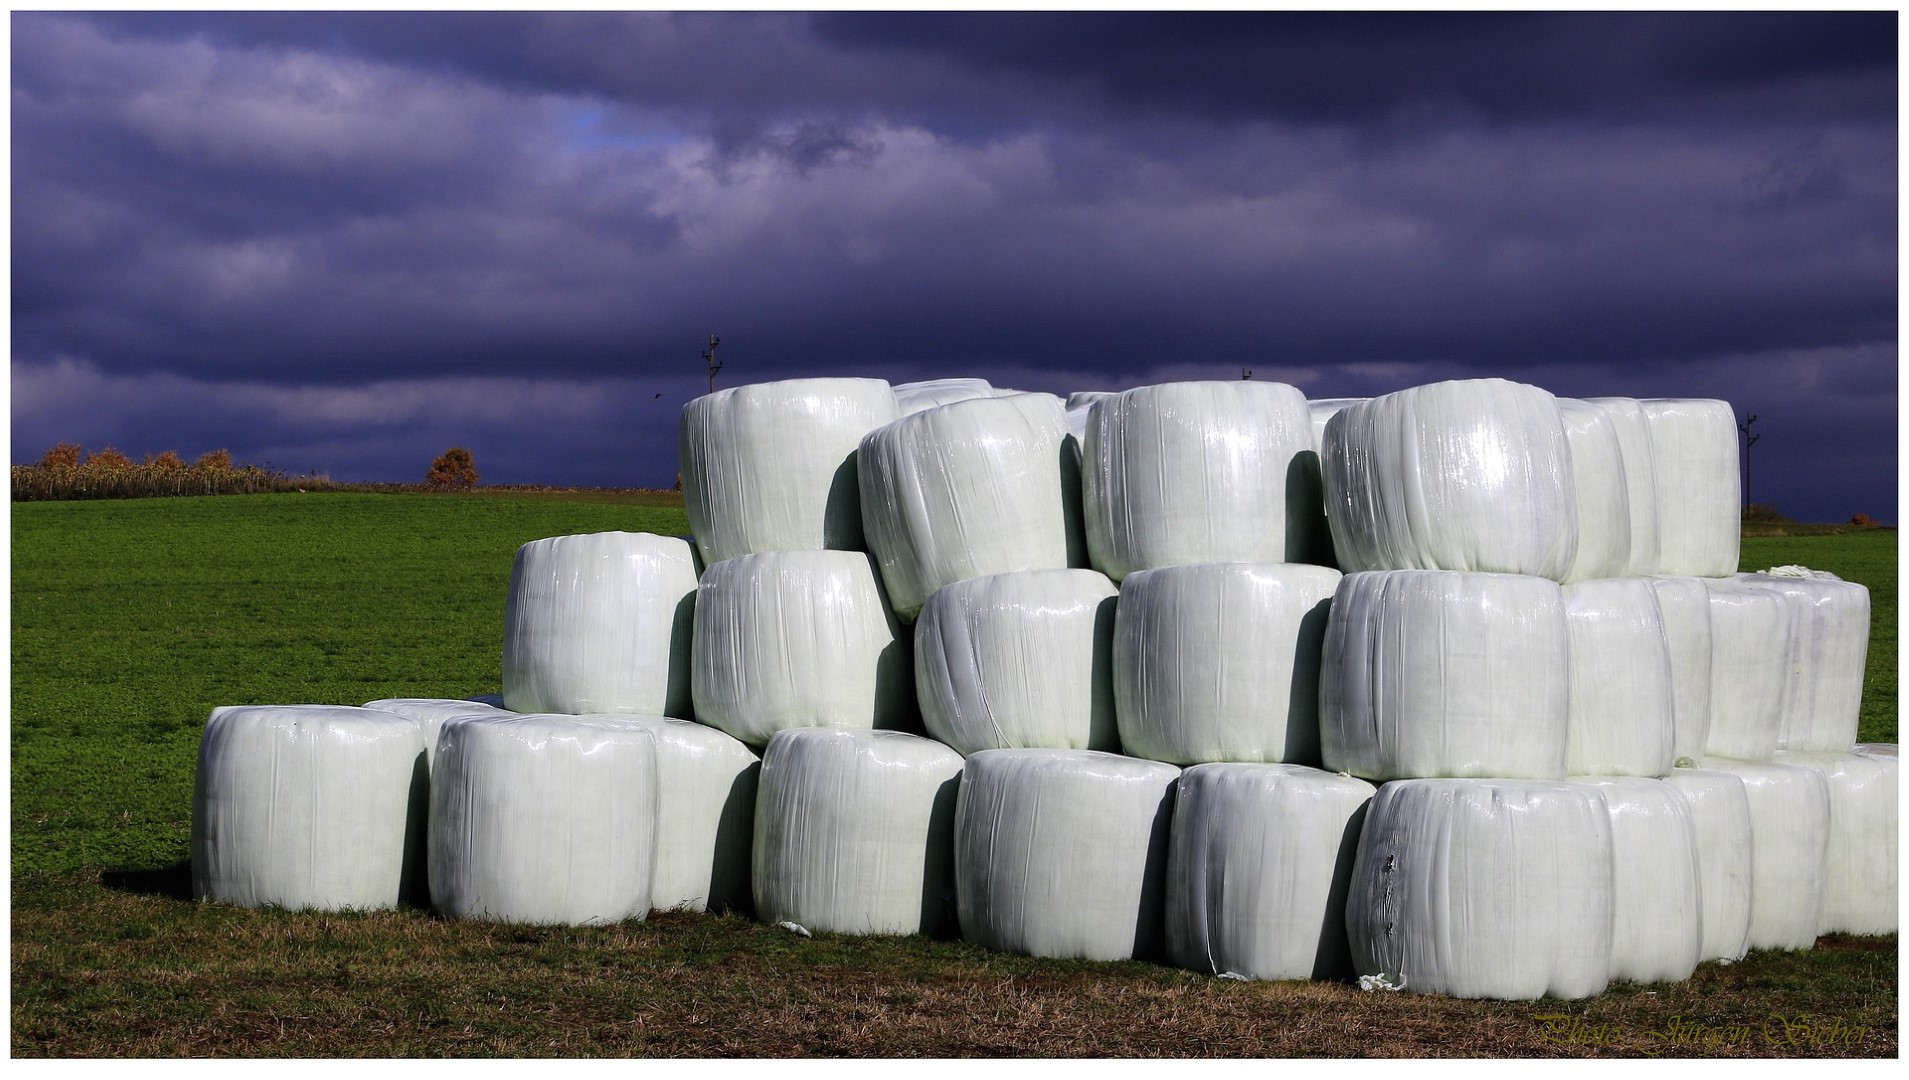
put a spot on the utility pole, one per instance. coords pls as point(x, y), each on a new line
point(709, 358)
point(1245, 374)
point(1749, 441)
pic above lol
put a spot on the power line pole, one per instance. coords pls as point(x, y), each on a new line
point(709, 358)
point(1749, 441)
point(1246, 374)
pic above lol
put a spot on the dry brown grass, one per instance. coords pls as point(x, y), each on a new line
point(67, 472)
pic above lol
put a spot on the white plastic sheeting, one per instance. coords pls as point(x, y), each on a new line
point(1752, 641)
point(1657, 932)
point(1789, 824)
point(1023, 659)
point(1603, 495)
point(1081, 399)
point(1823, 694)
point(1640, 481)
point(1196, 472)
point(966, 490)
point(914, 397)
point(1622, 697)
point(771, 467)
point(1220, 662)
point(1876, 749)
point(798, 639)
point(600, 623)
point(1726, 857)
point(544, 819)
point(1258, 868)
point(855, 832)
point(1318, 548)
point(309, 806)
point(1466, 475)
point(1860, 865)
point(1063, 853)
point(1484, 889)
point(430, 713)
point(1694, 467)
point(1429, 673)
point(1684, 603)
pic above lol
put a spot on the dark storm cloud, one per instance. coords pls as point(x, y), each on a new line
point(346, 240)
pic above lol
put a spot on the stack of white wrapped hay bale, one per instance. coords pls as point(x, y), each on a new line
point(1455, 689)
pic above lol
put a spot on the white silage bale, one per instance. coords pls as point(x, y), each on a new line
point(1726, 857)
point(1467, 475)
point(600, 623)
point(1484, 889)
point(1603, 496)
point(1789, 824)
point(309, 806)
point(1019, 660)
point(855, 832)
point(798, 639)
point(544, 818)
point(966, 490)
point(1823, 694)
point(1752, 641)
point(1196, 472)
point(1622, 702)
point(1063, 853)
point(771, 466)
point(1876, 749)
point(1220, 662)
point(1640, 481)
point(914, 397)
point(1860, 865)
point(1319, 531)
point(431, 713)
point(1258, 866)
point(1694, 467)
point(1431, 673)
point(1684, 603)
point(1657, 880)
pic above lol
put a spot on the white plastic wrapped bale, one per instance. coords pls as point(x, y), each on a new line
point(1468, 475)
point(1876, 749)
point(705, 815)
point(1622, 697)
point(964, 491)
point(1257, 870)
point(1640, 481)
point(1726, 857)
point(1484, 889)
point(1019, 660)
point(1603, 497)
point(309, 806)
point(544, 819)
point(1037, 405)
point(1657, 880)
point(1752, 642)
point(430, 713)
point(1694, 467)
point(1684, 603)
point(771, 467)
point(1081, 399)
point(1823, 696)
point(914, 397)
point(600, 623)
point(1196, 472)
point(1220, 662)
point(1789, 824)
point(798, 639)
point(855, 832)
point(1860, 866)
point(1319, 532)
point(1430, 673)
point(1063, 853)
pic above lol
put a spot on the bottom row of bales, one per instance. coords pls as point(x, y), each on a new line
point(1510, 889)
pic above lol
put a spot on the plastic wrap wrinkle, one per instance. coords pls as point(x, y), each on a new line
point(1875, 749)
point(1823, 689)
point(1019, 660)
point(1197, 472)
point(1484, 889)
point(1640, 482)
point(1622, 690)
point(1657, 901)
point(1696, 472)
point(911, 398)
point(547, 819)
point(1062, 853)
point(798, 639)
point(1789, 824)
point(1603, 493)
point(1753, 632)
point(1220, 662)
point(1684, 604)
point(1428, 673)
point(431, 713)
point(1258, 867)
point(1726, 857)
point(1470, 475)
point(1860, 863)
point(600, 623)
point(855, 832)
point(771, 467)
point(967, 490)
point(309, 806)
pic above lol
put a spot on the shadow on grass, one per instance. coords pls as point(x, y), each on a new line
point(174, 881)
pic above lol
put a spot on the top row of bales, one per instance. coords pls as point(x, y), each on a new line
point(953, 480)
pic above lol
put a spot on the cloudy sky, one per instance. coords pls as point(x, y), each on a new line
point(344, 242)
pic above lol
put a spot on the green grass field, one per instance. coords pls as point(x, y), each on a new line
point(133, 619)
